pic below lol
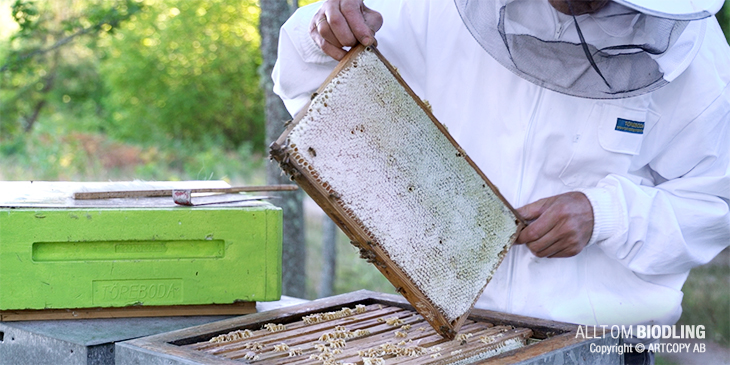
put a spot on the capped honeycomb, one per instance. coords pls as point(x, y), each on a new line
point(378, 158)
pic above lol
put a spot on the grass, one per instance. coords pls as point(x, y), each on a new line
point(56, 155)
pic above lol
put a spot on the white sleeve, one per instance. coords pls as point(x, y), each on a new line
point(684, 220)
point(301, 66)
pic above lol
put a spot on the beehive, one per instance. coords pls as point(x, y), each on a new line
point(360, 328)
point(57, 253)
point(371, 154)
point(363, 334)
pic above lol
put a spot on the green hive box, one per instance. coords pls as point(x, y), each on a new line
point(122, 252)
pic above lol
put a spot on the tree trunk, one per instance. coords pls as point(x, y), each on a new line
point(273, 14)
point(329, 257)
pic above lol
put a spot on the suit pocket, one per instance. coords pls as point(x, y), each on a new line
point(606, 143)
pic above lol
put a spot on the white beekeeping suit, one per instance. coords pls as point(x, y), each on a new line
point(644, 134)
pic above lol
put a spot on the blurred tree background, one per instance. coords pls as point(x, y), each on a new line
point(154, 89)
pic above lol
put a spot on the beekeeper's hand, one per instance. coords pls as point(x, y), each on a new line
point(344, 23)
point(561, 225)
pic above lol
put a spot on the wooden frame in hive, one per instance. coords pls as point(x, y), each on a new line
point(373, 156)
point(246, 339)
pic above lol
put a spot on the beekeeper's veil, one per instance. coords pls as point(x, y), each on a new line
point(627, 48)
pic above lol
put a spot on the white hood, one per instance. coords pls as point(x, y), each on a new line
point(631, 53)
point(675, 9)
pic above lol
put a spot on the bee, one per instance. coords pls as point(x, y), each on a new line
point(337, 343)
point(367, 255)
point(272, 327)
point(295, 352)
point(428, 105)
point(251, 356)
point(254, 346)
point(281, 347)
point(373, 361)
point(320, 347)
point(310, 319)
point(394, 321)
point(463, 337)
point(329, 336)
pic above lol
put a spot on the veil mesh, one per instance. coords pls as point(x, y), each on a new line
point(555, 51)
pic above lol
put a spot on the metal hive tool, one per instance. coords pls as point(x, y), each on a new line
point(372, 155)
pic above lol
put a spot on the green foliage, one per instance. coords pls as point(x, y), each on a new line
point(131, 89)
point(186, 70)
point(137, 70)
point(26, 15)
point(707, 300)
point(44, 62)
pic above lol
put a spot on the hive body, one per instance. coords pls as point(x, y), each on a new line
point(57, 253)
point(384, 163)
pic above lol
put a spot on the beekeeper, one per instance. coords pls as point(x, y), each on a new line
point(608, 122)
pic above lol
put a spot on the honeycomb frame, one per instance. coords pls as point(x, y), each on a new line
point(346, 202)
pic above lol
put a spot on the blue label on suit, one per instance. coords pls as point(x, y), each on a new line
point(629, 126)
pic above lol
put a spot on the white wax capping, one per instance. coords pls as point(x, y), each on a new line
point(367, 140)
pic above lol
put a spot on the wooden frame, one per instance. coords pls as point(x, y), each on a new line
point(547, 336)
point(361, 238)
